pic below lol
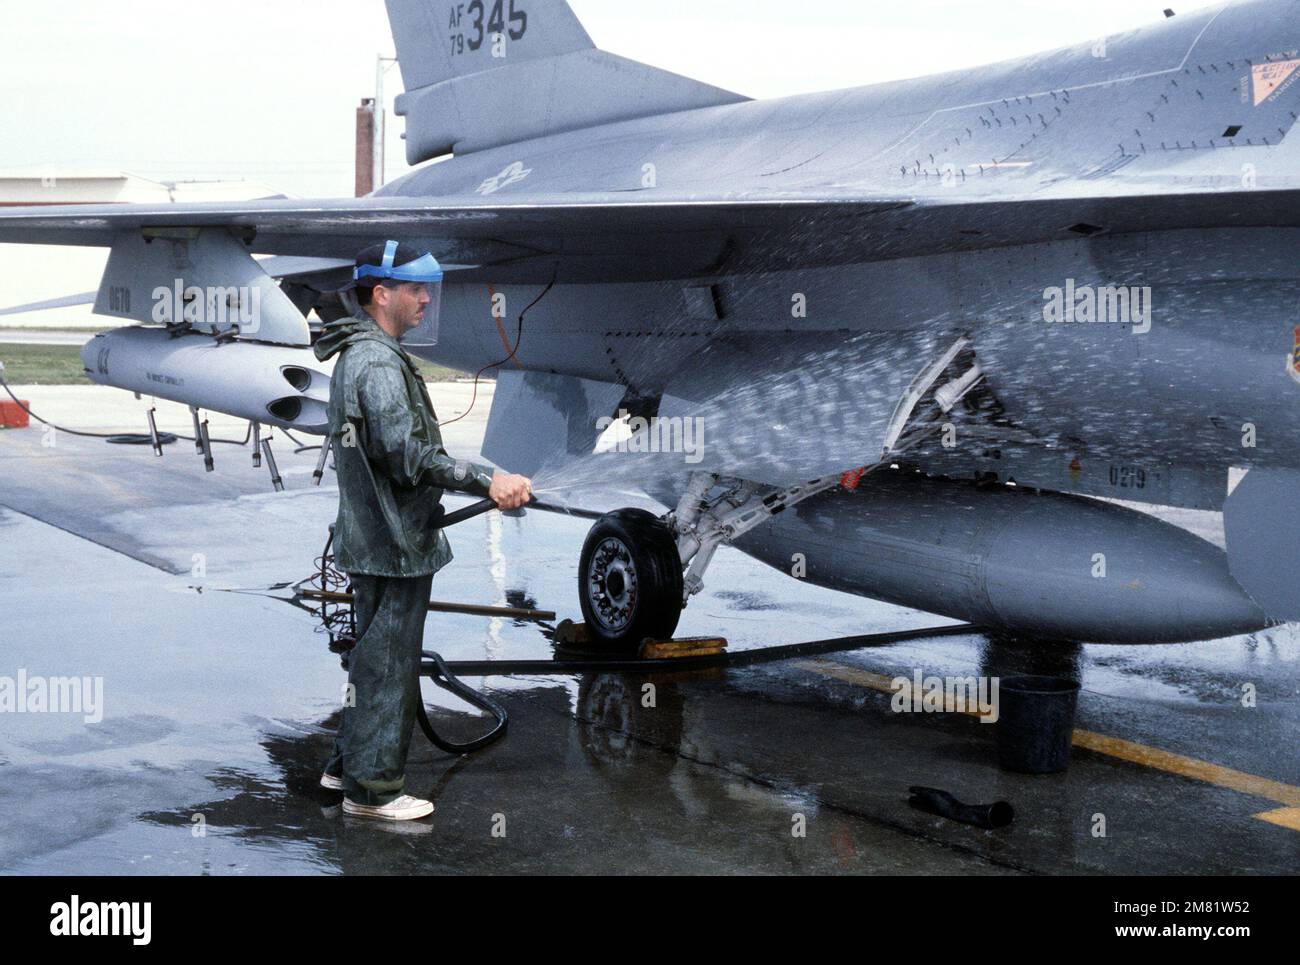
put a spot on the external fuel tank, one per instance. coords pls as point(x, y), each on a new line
point(1024, 561)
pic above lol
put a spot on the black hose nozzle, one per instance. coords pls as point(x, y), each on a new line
point(934, 801)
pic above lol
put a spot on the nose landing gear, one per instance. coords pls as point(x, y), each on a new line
point(630, 576)
point(630, 579)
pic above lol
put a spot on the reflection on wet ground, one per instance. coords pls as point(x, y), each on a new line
point(219, 708)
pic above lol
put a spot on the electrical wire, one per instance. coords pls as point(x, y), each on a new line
point(122, 438)
point(301, 447)
point(519, 337)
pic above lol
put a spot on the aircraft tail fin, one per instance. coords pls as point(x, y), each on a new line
point(482, 73)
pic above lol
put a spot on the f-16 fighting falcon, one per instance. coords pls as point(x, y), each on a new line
point(927, 336)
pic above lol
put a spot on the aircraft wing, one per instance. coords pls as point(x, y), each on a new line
point(274, 267)
point(611, 237)
point(627, 238)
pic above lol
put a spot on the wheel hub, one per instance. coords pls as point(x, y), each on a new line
point(612, 584)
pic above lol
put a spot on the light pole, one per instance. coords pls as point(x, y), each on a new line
point(382, 66)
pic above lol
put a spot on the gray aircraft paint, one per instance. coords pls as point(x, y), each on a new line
point(906, 214)
point(1010, 559)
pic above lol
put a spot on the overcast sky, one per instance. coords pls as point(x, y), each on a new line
point(255, 89)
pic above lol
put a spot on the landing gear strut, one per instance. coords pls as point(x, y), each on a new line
point(637, 571)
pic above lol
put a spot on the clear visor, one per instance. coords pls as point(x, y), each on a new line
point(425, 334)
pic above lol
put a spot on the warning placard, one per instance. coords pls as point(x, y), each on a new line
point(1271, 79)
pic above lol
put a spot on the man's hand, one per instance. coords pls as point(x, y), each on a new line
point(509, 491)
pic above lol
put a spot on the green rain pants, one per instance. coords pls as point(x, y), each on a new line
point(384, 673)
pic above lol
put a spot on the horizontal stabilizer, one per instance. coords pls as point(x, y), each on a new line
point(277, 267)
point(66, 301)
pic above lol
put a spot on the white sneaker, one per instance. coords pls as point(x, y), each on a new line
point(330, 782)
point(404, 808)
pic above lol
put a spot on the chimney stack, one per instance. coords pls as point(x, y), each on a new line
point(366, 147)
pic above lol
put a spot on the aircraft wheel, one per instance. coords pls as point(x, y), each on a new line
point(629, 580)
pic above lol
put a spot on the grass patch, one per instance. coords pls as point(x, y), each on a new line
point(437, 373)
point(43, 365)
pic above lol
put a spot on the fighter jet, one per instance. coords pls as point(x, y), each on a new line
point(919, 341)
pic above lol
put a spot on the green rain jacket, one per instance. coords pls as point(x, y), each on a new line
point(392, 467)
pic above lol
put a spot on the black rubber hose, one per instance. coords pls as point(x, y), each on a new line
point(472, 511)
point(445, 679)
point(301, 447)
point(120, 438)
point(141, 439)
point(604, 663)
point(446, 519)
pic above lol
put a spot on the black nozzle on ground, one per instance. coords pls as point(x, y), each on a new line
point(988, 816)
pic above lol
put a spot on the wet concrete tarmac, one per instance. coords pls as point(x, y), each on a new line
point(220, 699)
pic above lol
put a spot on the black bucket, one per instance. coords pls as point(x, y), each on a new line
point(1036, 723)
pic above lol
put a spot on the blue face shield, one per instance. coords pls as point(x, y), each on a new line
point(423, 271)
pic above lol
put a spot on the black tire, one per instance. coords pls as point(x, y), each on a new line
point(629, 580)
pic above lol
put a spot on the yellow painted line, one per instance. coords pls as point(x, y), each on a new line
point(1131, 751)
point(874, 681)
point(1283, 817)
point(827, 668)
point(1189, 767)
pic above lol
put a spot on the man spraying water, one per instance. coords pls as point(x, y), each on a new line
point(392, 471)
